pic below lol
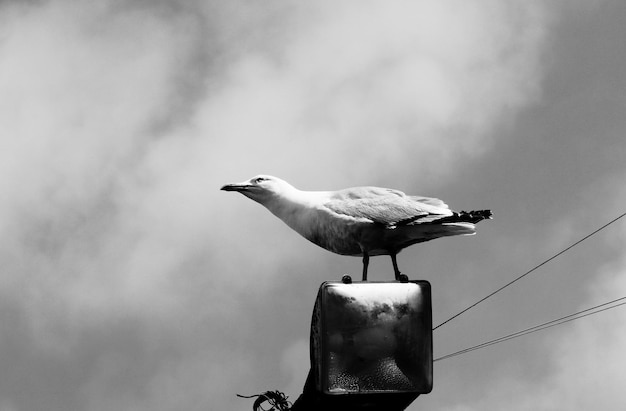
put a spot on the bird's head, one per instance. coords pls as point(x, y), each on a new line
point(261, 188)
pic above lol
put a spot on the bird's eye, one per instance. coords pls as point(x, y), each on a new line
point(259, 180)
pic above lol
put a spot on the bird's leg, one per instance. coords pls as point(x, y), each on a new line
point(396, 270)
point(366, 261)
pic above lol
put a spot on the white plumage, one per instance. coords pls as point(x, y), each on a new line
point(359, 221)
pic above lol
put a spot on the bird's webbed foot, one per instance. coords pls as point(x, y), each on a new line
point(403, 278)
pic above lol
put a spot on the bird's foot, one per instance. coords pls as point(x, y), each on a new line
point(403, 278)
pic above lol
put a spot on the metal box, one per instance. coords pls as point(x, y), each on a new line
point(372, 337)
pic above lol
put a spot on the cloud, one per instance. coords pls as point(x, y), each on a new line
point(408, 82)
point(588, 358)
point(124, 268)
point(574, 366)
point(295, 365)
point(80, 97)
point(583, 360)
point(585, 354)
point(85, 90)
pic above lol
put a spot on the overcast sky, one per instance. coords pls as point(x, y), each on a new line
point(128, 281)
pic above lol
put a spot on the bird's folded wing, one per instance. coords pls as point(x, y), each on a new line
point(386, 206)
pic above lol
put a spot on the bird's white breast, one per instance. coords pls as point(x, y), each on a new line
point(306, 214)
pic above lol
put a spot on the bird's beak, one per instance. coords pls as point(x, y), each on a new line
point(236, 187)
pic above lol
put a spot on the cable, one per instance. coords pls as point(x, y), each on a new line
point(509, 337)
point(549, 324)
point(531, 270)
point(276, 399)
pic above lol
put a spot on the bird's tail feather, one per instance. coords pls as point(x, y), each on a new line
point(460, 228)
point(407, 235)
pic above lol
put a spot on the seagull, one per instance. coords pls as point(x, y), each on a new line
point(359, 221)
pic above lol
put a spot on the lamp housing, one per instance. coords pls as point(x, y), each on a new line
point(372, 338)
